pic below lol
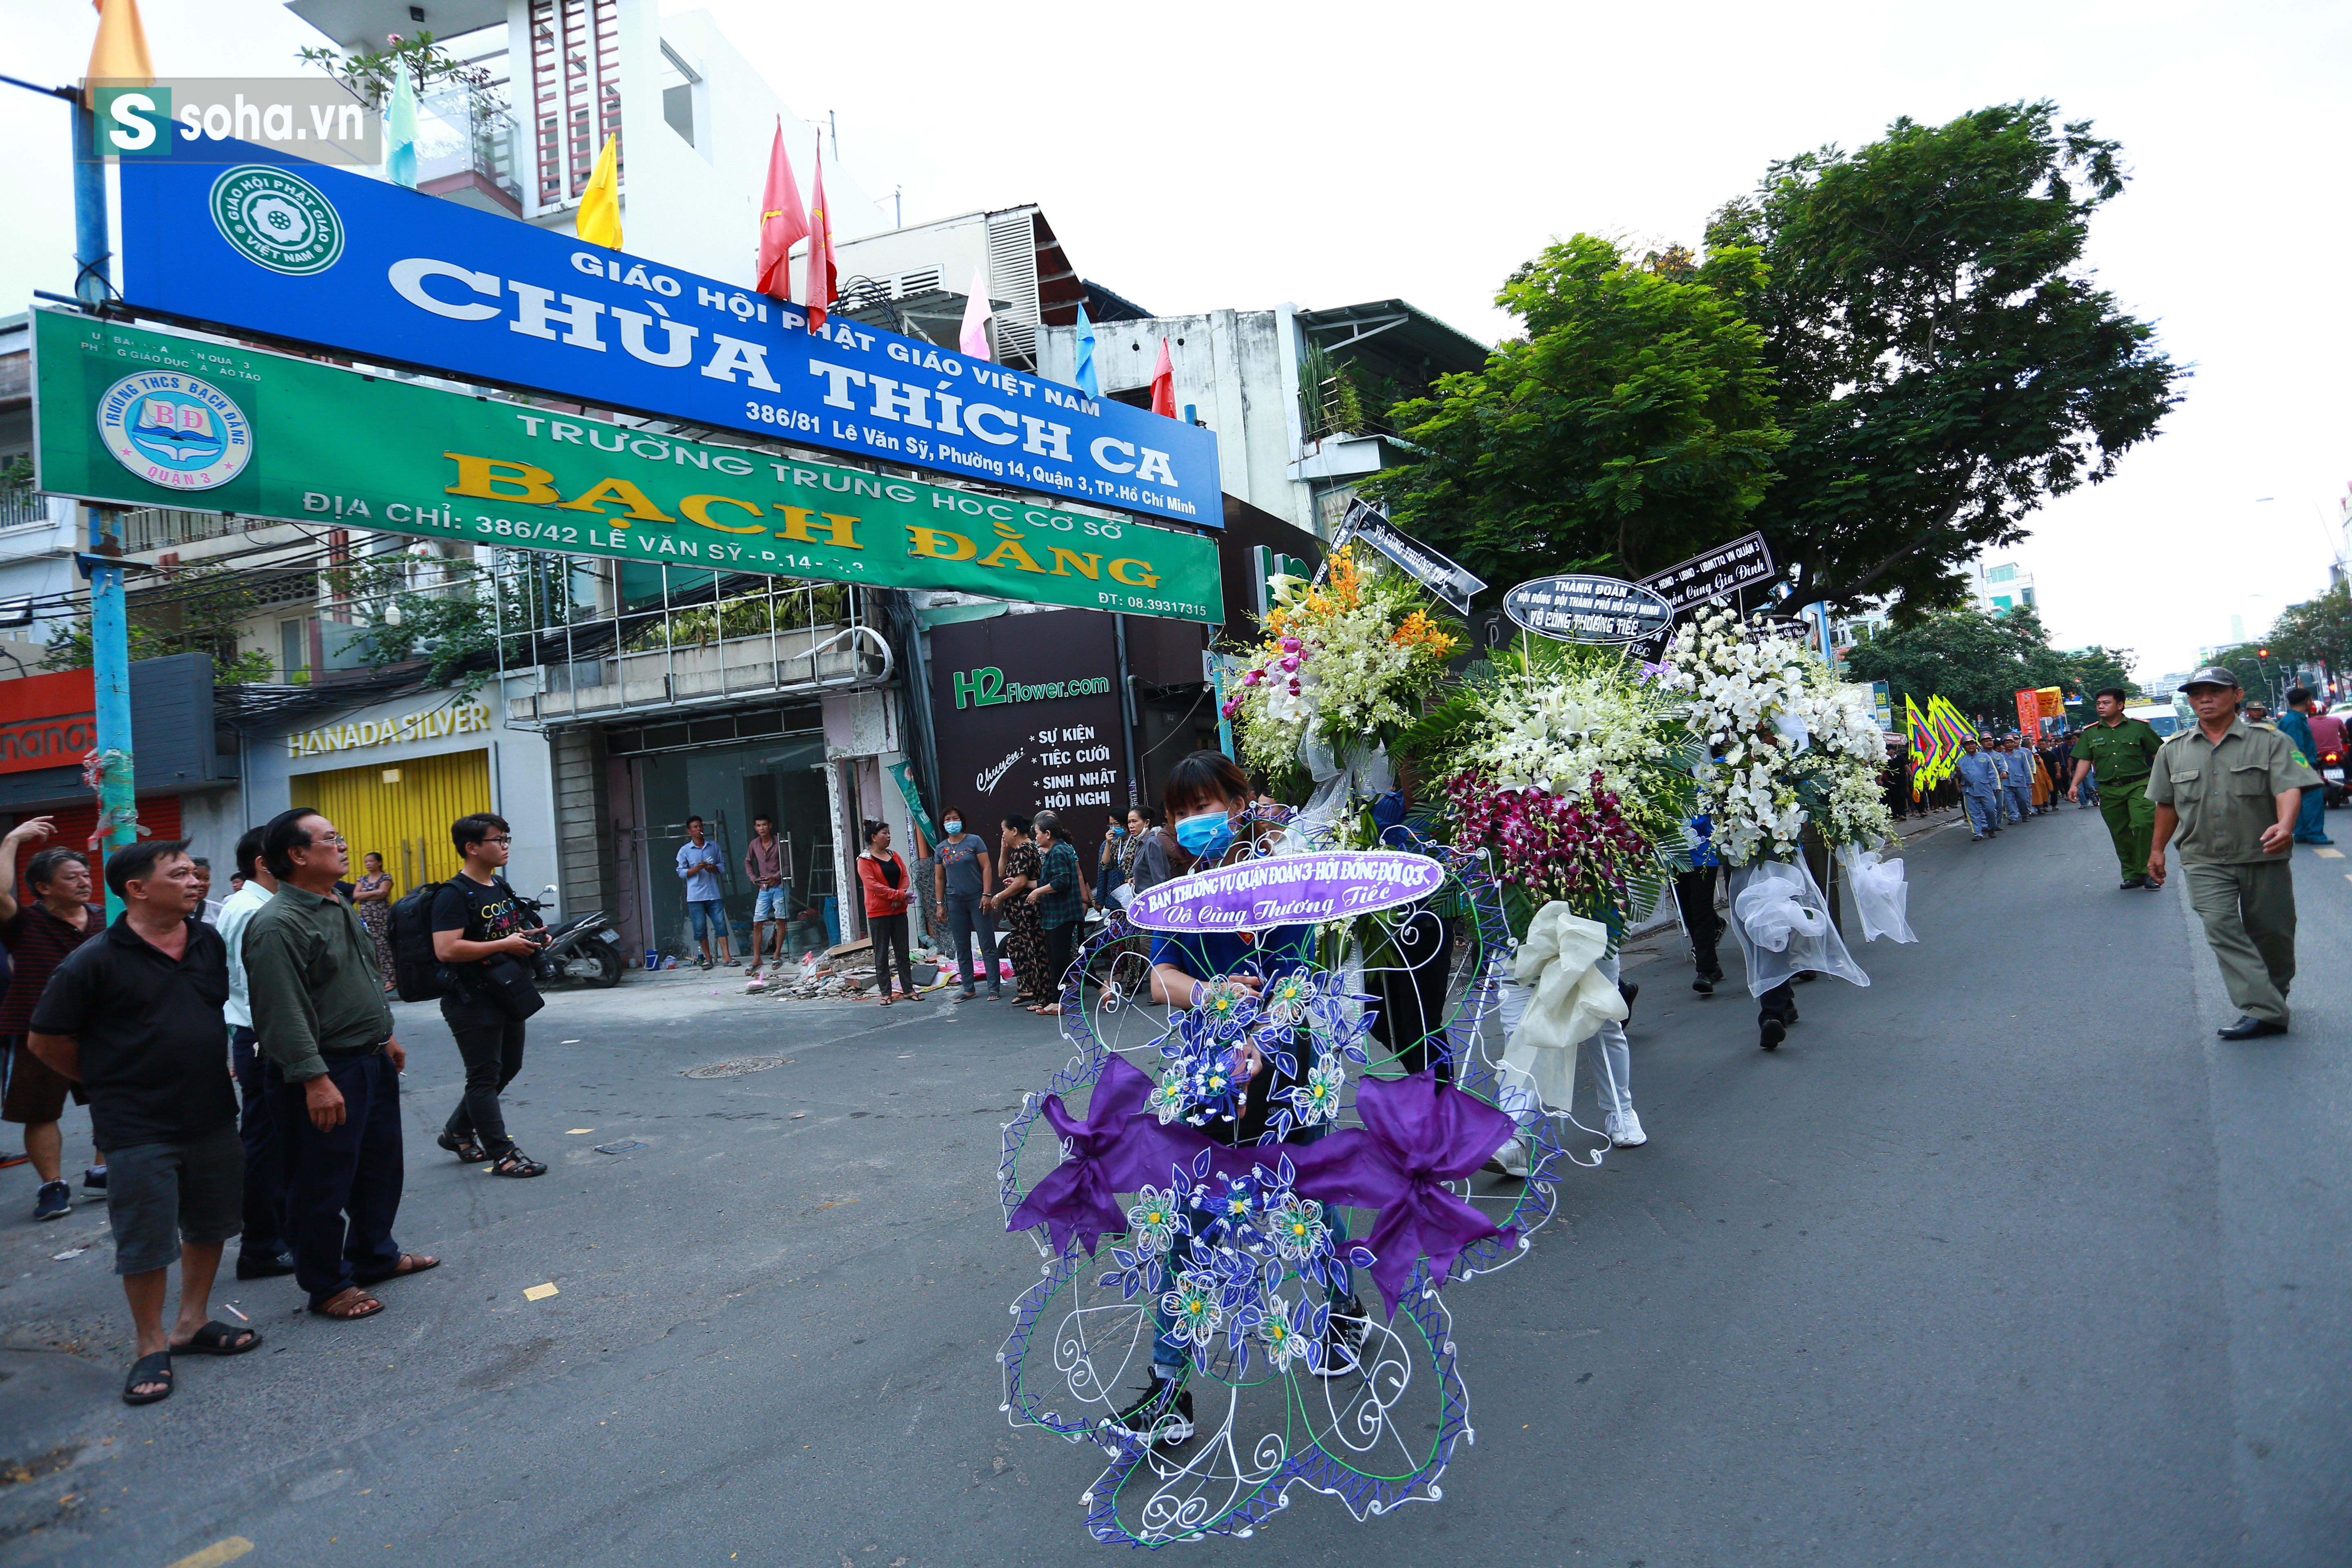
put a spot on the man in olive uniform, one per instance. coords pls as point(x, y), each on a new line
point(2121, 749)
point(2231, 789)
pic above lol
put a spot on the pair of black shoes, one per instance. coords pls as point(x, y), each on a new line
point(2131, 883)
point(2248, 1027)
point(264, 1264)
point(1708, 979)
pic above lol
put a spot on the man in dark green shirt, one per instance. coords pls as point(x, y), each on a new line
point(333, 1074)
point(2122, 750)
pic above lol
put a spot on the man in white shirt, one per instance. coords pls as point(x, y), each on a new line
point(262, 1252)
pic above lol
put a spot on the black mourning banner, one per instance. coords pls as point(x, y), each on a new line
point(1448, 579)
point(1577, 609)
point(1716, 573)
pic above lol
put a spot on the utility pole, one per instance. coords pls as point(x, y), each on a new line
point(110, 764)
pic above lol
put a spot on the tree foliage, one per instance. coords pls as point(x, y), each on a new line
point(199, 610)
point(1979, 662)
point(1886, 361)
point(1945, 361)
point(1630, 427)
point(2317, 631)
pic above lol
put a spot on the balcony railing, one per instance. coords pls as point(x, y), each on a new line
point(20, 508)
point(465, 140)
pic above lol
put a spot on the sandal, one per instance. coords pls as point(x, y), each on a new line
point(217, 1338)
point(515, 1162)
point(410, 1263)
point(347, 1304)
point(155, 1368)
point(465, 1149)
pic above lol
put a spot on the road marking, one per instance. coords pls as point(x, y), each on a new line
point(538, 1292)
point(219, 1553)
point(2329, 853)
point(576, 1131)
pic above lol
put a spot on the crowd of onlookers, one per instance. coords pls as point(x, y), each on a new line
point(238, 1059)
point(1018, 905)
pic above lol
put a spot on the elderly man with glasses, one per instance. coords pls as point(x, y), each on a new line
point(320, 1017)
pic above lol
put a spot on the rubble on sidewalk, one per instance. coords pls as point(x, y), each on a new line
point(842, 974)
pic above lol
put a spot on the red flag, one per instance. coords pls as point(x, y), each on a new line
point(1163, 384)
point(783, 223)
point(823, 266)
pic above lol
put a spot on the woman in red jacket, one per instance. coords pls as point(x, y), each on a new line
point(889, 891)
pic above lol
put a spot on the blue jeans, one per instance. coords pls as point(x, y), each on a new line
point(1984, 814)
point(707, 921)
point(967, 920)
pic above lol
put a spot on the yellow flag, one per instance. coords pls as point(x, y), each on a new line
point(598, 220)
point(120, 52)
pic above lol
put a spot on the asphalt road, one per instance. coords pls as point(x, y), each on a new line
point(2005, 1259)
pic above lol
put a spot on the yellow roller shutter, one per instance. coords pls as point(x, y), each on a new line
point(405, 818)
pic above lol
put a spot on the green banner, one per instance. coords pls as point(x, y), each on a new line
point(129, 417)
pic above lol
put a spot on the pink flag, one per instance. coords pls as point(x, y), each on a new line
point(976, 311)
point(783, 223)
point(1163, 384)
point(823, 266)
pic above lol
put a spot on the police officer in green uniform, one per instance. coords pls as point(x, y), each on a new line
point(2232, 789)
point(2122, 750)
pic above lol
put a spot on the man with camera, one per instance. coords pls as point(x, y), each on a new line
point(488, 939)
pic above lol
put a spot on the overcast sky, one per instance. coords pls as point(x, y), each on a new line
point(1222, 154)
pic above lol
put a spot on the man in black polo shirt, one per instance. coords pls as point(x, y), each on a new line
point(135, 1018)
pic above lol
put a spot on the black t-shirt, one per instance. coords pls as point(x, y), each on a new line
point(481, 913)
point(153, 1040)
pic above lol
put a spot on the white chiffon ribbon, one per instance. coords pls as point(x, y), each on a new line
point(1568, 999)
point(1880, 896)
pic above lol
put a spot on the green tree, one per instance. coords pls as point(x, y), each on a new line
point(1979, 662)
point(199, 610)
point(1630, 427)
point(1945, 361)
point(2317, 631)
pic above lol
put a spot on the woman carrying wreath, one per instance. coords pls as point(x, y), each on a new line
point(1209, 800)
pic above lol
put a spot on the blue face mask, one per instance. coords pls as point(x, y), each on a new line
point(1117, 831)
point(1207, 835)
point(953, 828)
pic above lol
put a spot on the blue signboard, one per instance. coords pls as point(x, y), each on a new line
point(323, 256)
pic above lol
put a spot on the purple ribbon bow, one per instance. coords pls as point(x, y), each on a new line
point(1417, 1135)
point(1117, 1148)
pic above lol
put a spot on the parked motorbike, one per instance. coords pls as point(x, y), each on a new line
point(585, 949)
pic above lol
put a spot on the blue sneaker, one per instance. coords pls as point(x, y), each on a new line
point(55, 1201)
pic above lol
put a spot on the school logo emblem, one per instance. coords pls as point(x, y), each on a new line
point(277, 219)
point(175, 431)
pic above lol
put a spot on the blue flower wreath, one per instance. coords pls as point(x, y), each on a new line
point(1300, 1008)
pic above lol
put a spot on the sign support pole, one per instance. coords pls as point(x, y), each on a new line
point(110, 631)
